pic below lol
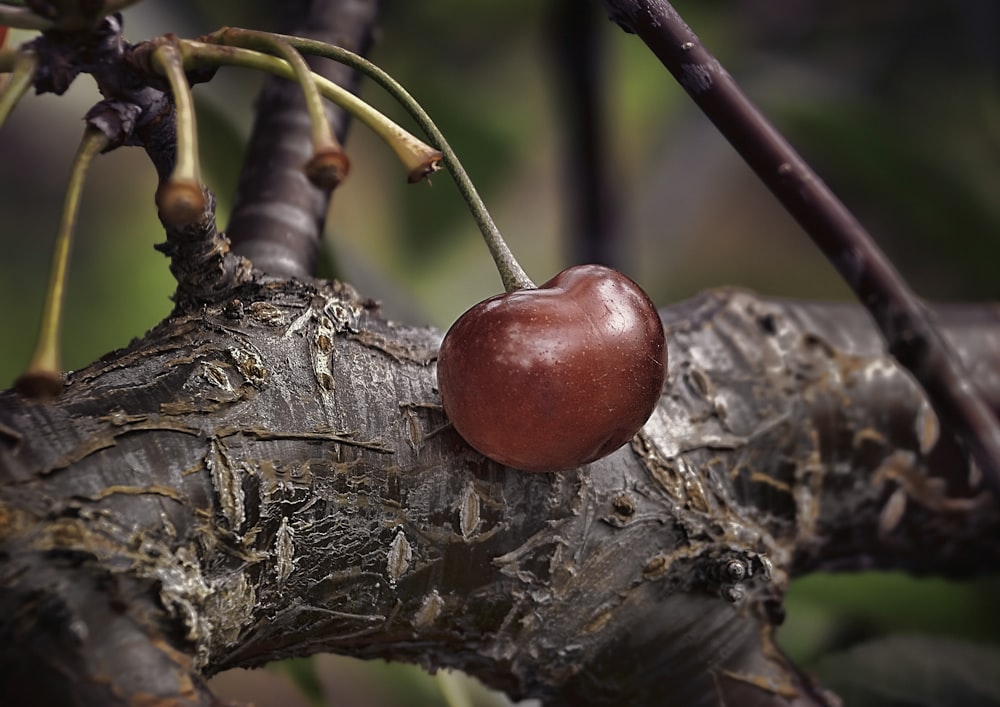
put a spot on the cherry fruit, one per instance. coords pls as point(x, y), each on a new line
point(550, 378)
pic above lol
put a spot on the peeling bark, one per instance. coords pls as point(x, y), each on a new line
point(273, 476)
point(268, 473)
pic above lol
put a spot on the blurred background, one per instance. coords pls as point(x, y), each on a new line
point(896, 103)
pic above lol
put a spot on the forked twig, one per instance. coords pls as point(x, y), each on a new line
point(903, 318)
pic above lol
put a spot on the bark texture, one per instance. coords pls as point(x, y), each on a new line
point(273, 476)
point(268, 473)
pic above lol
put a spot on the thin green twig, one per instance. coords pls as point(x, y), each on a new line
point(511, 272)
point(18, 83)
point(263, 41)
point(329, 164)
point(418, 157)
point(43, 370)
point(181, 198)
point(167, 59)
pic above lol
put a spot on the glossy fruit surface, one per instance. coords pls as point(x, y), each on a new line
point(555, 377)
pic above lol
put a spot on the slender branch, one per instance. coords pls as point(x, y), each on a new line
point(902, 317)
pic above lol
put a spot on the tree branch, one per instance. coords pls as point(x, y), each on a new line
point(278, 216)
point(273, 476)
point(903, 318)
point(268, 473)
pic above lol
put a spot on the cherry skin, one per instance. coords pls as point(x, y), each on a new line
point(556, 377)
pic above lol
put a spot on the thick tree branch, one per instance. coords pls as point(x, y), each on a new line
point(273, 476)
point(268, 473)
point(903, 318)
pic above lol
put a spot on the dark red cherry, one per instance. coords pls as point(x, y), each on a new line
point(555, 377)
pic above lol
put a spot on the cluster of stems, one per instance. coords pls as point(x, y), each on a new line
point(181, 198)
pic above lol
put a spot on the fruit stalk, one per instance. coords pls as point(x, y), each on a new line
point(181, 198)
point(42, 378)
point(24, 64)
point(328, 165)
point(419, 158)
point(511, 273)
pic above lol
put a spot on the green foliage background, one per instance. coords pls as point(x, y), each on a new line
point(896, 103)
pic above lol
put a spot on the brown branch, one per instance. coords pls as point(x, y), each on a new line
point(270, 474)
point(902, 317)
point(273, 476)
point(278, 216)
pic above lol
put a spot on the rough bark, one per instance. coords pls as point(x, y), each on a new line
point(268, 473)
point(273, 476)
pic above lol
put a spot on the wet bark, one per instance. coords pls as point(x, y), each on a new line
point(273, 476)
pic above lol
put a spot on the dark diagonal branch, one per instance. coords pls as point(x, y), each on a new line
point(278, 217)
point(902, 317)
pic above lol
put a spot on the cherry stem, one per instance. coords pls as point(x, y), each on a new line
point(20, 79)
point(324, 141)
point(419, 158)
point(45, 361)
point(187, 171)
point(511, 273)
point(23, 18)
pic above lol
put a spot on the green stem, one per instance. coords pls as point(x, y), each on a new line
point(181, 198)
point(511, 272)
point(8, 59)
point(452, 689)
point(20, 80)
point(168, 61)
point(43, 370)
point(23, 18)
point(322, 135)
point(419, 158)
point(329, 164)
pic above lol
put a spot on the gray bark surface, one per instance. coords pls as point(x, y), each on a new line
point(273, 476)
